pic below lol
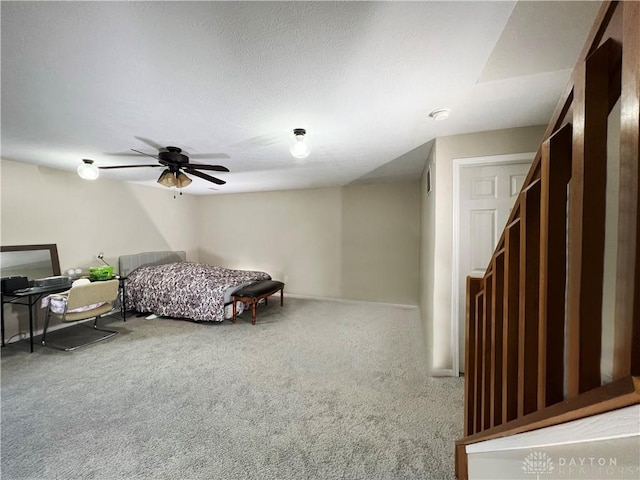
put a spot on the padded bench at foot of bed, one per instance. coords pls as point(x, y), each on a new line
point(254, 293)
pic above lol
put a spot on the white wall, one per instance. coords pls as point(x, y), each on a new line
point(610, 244)
point(294, 235)
point(43, 205)
point(427, 253)
point(437, 242)
point(356, 242)
point(381, 243)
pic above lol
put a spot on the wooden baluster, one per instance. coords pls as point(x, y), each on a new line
point(587, 201)
point(474, 286)
point(487, 365)
point(529, 299)
point(477, 403)
point(627, 328)
point(497, 329)
point(555, 175)
point(510, 330)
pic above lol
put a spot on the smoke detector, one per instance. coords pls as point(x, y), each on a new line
point(440, 113)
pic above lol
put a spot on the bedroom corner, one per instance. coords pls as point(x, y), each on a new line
point(43, 205)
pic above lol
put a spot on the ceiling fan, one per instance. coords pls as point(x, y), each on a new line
point(177, 163)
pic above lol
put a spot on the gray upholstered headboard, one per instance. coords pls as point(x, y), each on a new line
point(128, 263)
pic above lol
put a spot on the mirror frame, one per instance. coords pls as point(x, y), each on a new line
point(53, 252)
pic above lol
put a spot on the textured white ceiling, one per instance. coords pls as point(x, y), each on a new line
point(84, 79)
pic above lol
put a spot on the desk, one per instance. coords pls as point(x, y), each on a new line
point(29, 299)
point(34, 294)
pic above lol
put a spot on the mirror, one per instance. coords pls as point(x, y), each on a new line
point(32, 261)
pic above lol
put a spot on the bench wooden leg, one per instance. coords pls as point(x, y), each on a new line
point(254, 303)
point(233, 299)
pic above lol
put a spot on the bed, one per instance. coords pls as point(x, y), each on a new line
point(165, 284)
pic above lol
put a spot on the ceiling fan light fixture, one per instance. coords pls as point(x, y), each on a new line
point(300, 147)
point(182, 180)
point(168, 179)
point(87, 170)
point(440, 114)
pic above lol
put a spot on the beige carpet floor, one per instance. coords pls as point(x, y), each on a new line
point(316, 390)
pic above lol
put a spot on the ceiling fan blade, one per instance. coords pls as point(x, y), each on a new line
point(128, 166)
point(205, 176)
point(216, 168)
point(204, 156)
point(142, 153)
point(151, 143)
point(123, 154)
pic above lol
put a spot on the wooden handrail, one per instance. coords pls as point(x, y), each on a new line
point(541, 299)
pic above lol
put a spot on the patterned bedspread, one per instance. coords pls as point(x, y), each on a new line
point(185, 289)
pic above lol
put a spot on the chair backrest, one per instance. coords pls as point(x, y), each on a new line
point(95, 292)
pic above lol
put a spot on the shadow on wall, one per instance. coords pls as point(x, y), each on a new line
point(406, 168)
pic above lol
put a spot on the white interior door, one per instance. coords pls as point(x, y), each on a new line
point(486, 196)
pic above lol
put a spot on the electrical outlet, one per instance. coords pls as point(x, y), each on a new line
point(286, 278)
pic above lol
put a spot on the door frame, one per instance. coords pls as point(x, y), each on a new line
point(458, 164)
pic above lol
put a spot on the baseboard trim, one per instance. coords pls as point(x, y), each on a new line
point(620, 423)
point(20, 336)
point(442, 372)
point(348, 300)
point(25, 335)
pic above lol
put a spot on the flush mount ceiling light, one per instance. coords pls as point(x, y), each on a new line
point(440, 114)
point(87, 170)
point(300, 148)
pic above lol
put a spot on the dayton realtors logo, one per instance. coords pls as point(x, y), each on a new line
point(537, 463)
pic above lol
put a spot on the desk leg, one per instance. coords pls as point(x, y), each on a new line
point(2, 317)
point(123, 304)
point(31, 323)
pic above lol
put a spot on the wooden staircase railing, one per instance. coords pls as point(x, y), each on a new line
point(535, 320)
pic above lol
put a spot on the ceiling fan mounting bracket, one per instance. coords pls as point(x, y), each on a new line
point(173, 155)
